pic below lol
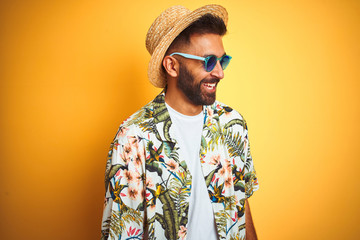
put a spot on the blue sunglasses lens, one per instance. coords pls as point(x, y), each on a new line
point(212, 60)
point(224, 61)
point(211, 63)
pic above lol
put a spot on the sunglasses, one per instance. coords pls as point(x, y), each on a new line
point(210, 61)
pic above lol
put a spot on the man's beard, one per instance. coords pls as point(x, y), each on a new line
point(192, 90)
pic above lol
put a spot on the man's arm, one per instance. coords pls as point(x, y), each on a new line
point(122, 196)
point(249, 225)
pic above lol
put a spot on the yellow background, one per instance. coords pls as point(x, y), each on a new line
point(72, 71)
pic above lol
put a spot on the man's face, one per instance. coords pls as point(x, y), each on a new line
point(198, 85)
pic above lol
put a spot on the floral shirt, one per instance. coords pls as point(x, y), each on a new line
point(148, 184)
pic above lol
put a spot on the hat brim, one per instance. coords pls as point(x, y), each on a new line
point(155, 72)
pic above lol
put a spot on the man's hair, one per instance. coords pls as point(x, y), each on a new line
point(206, 24)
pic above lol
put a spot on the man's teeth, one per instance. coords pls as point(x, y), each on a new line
point(210, 85)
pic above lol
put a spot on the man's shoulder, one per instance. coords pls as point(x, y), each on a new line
point(133, 125)
point(228, 115)
point(230, 112)
point(142, 115)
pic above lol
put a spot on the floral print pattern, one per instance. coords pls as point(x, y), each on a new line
point(148, 183)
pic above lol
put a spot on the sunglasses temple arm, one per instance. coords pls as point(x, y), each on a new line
point(188, 56)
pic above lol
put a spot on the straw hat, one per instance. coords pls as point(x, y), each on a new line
point(166, 28)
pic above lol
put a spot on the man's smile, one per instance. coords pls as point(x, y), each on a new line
point(210, 85)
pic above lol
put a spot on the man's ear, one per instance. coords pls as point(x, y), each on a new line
point(171, 66)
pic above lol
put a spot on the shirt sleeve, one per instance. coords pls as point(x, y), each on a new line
point(251, 182)
point(123, 213)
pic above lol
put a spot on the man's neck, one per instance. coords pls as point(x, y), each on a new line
point(179, 102)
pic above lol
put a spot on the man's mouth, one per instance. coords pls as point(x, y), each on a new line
point(210, 86)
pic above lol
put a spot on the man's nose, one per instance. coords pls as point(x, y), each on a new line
point(217, 71)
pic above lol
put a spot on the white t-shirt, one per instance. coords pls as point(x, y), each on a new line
point(187, 131)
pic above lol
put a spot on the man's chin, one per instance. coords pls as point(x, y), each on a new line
point(208, 99)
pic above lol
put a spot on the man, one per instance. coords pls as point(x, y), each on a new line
point(180, 167)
